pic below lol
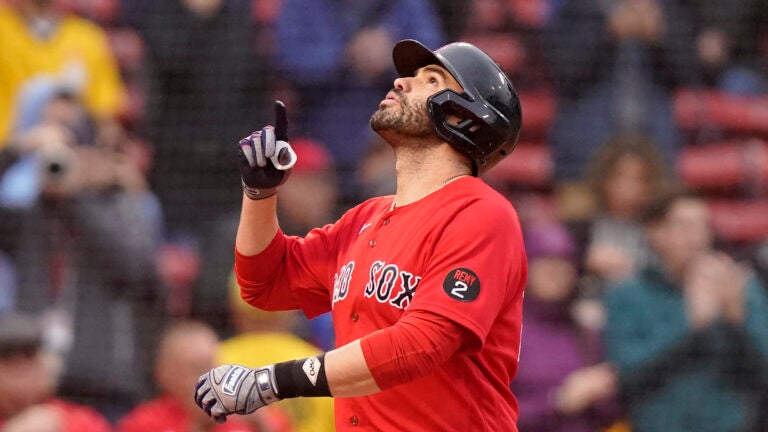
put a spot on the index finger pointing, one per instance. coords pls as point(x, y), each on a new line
point(281, 121)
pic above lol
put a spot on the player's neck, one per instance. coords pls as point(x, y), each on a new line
point(423, 171)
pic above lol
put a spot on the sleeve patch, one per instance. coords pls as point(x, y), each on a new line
point(462, 284)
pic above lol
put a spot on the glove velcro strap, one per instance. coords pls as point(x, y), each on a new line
point(304, 377)
point(257, 194)
point(266, 385)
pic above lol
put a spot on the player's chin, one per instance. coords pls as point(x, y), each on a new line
point(381, 119)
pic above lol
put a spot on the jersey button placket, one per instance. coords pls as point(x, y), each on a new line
point(385, 222)
point(372, 243)
point(354, 421)
point(354, 317)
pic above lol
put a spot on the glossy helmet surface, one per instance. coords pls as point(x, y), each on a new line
point(488, 106)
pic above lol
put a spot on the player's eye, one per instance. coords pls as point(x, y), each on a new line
point(433, 80)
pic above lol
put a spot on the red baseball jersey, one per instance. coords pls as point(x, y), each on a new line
point(457, 252)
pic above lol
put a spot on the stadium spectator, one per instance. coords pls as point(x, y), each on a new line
point(83, 249)
point(207, 82)
point(257, 328)
point(186, 349)
point(724, 46)
point(615, 64)
point(623, 176)
point(760, 258)
point(37, 39)
point(689, 335)
point(755, 37)
point(7, 282)
point(28, 381)
point(563, 383)
point(452, 16)
point(337, 54)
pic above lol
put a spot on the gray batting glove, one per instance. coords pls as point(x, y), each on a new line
point(234, 389)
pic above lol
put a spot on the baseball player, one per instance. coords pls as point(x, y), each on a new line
point(425, 286)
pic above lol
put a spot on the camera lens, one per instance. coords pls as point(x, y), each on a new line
point(55, 168)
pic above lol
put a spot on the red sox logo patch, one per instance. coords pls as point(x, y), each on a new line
point(462, 284)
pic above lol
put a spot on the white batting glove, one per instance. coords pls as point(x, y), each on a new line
point(234, 389)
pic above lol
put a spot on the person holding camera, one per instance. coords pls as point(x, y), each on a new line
point(84, 245)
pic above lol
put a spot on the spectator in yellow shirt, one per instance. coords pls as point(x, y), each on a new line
point(257, 328)
point(36, 40)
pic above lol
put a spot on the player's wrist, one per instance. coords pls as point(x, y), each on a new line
point(301, 378)
point(258, 193)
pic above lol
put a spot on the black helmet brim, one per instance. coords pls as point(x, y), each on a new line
point(409, 55)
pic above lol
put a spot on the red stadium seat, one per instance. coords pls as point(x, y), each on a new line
point(265, 11)
point(740, 220)
point(712, 166)
point(507, 49)
point(529, 165)
point(723, 165)
point(534, 13)
point(701, 109)
point(538, 110)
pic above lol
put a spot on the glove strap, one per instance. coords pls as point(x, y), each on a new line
point(265, 384)
point(257, 194)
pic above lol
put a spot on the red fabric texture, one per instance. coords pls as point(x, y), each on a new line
point(411, 349)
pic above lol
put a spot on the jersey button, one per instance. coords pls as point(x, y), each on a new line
point(385, 222)
point(372, 243)
point(354, 317)
point(354, 421)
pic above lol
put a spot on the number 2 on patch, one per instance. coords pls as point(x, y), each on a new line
point(459, 288)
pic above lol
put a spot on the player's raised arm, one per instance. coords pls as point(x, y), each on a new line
point(266, 161)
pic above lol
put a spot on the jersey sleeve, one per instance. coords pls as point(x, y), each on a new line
point(477, 268)
point(410, 349)
point(292, 272)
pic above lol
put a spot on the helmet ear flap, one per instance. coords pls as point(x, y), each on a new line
point(463, 123)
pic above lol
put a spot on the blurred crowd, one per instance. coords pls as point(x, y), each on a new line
point(641, 180)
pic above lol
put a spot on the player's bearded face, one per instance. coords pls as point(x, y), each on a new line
point(408, 117)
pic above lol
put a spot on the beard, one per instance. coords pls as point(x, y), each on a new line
point(412, 119)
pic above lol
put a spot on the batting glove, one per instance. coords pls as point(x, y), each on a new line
point(266, 158)
point(233, 389)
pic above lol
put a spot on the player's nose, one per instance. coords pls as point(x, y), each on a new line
point(402, 84)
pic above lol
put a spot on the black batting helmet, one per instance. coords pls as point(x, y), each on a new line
point(489, 105)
